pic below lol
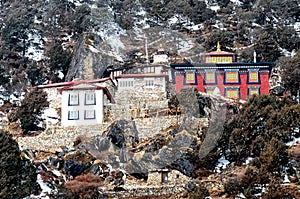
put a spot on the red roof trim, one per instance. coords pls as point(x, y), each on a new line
point(105, 90)
point(76, 82)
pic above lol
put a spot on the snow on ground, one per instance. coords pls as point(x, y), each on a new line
point(214, 7)
point(46, 190)
point(50, 115)
point(185, 45)
point(222, 164)
point(35, 50)
point(293, 142)
point(248, 160)
point(237, 2)
point(286, 179)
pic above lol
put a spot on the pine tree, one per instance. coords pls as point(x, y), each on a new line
point(18, 176)
point(29, 113)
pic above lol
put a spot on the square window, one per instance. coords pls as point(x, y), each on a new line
point(89, 114)
point(232, 92)
point(190, 78)
point(73, 115)
point(253, 76)
point(74, 99)
point(90, 99)
point(231, 76)
point(253, 90)
point(210, 77)
point(210, 90)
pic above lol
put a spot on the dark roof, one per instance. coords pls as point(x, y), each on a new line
point(238, 65)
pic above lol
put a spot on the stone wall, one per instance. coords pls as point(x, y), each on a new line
point(56, 139)
point(144, 191)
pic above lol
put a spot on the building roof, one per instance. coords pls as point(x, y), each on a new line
point(141, 75)
point(235, 65)
point(89, 85)
point(62, 84)
point(72, 86)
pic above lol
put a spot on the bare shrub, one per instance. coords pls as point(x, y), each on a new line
point(84, 186)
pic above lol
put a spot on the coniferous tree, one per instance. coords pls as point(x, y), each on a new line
point(267, 48)
point(291, 74)
point(59, 61)
point(29, 113)
point(260, 120)
point(18, 175)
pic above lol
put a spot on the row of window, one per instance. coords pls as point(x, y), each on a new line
point(89, 99)
point(149, 82)
point(233, 92)
point(213, 59)
point(231, 76)
point(126, 84)
point(130, 83)
point(88, 115)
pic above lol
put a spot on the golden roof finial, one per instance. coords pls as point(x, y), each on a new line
point(218, 47)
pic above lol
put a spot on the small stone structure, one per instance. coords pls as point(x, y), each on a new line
point(166, 176)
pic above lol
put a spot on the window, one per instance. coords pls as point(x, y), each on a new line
point(73, 115)
point(90, 98)
point(253, 90)
point(232, 92)
point(126, 83)
point(253, 76)
point(149, 83)
point(231, 76)
point(210, 90)
point(190, 78)
point(73, 99)
point(210, 77)
point(149, 70)
point(89, 114)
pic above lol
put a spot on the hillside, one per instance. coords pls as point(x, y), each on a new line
point(207, 146)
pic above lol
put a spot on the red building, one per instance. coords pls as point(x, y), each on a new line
point(220, 74)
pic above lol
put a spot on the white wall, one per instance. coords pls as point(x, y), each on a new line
point(82, 121)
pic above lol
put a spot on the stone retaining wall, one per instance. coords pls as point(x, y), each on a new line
point(145, 191)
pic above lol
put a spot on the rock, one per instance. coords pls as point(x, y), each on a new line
point(75, 168)
point(122, 133)
point(88, 62)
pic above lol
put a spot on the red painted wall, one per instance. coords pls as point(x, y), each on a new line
point(264, 83)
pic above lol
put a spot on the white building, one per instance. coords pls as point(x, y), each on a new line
point(142, 82)
point(160, 57)
point(82, 102)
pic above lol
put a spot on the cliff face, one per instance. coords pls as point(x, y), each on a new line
point(90, 58)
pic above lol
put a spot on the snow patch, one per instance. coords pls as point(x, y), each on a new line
point(50, 115)
point(237, 2)
point(214, 8)
point(286, 179)
point(46, 190)
point(293, 142)
point(222, 164)
point(248, 160)
point(93, 49)
point(35, 50)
